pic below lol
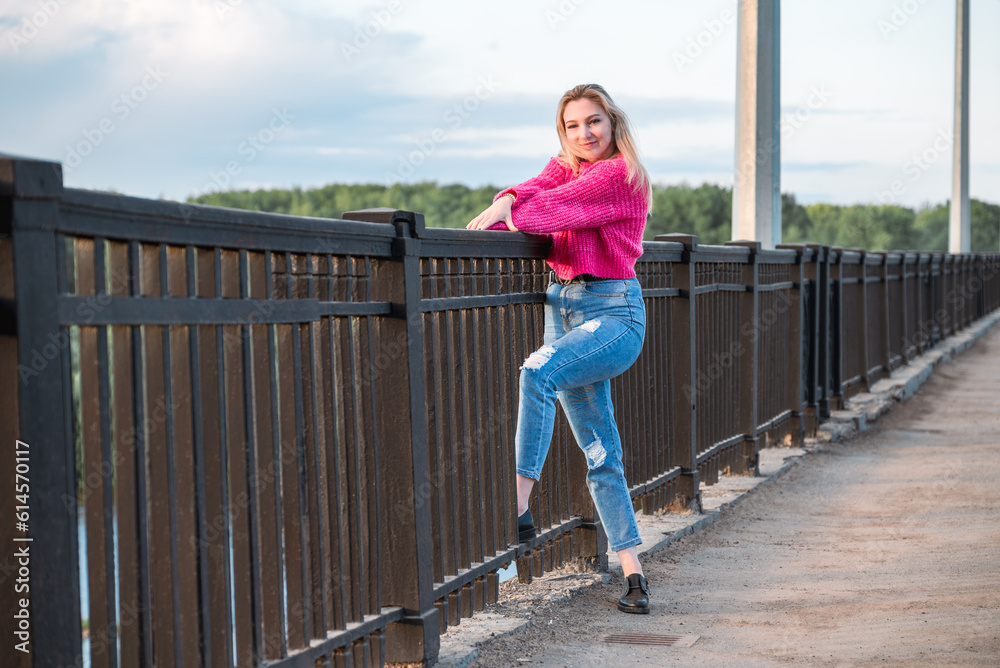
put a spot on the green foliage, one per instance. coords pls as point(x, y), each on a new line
point(705, 211)
point(796, 225)
point(442, 206)
point(931, 223)
point(985, 227)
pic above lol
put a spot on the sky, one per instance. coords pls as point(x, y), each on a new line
point(178, 98)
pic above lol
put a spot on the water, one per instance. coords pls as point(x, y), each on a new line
point(508, 573)
point(81, 530)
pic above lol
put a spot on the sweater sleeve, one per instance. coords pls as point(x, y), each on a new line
point(599, 196)
point(554, 174)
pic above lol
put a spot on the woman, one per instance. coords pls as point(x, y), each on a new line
point(592, 200)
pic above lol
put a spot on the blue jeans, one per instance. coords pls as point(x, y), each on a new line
point(593, 332)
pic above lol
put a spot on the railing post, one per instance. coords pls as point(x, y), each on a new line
point(836, 268)
point(981, 282)
point(966, 288)
point(949, 273)
point(862, 307)
point(407, 568)
point(953, 296)
point(750, 328)
point(820, 273)
point(35, 189)
point(802, 337)
point(9, 427)
point(884, 310)
point(957, 292)
point(683, 341)
point(904, 330)
point(936, 287)
point(967, 300)
point(991, 278)
point(941, 313)
point(810, 326)
point(922, 336)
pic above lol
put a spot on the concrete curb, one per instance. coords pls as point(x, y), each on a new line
point(460, 645)
point(865, 408)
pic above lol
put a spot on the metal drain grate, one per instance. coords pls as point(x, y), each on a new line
point(651, 639)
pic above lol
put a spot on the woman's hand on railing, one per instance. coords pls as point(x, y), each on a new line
point(493, 214)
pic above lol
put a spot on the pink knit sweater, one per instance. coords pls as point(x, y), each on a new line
point(596, 219)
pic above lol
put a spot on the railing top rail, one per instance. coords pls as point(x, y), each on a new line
point(892, 257)
point(160, 221)
point(710, 253)
point(450, 242)
point(808, 252)
point(193, 214)
point(851, 256)
point(443, 242)
point(661, 251)
point(778, 256)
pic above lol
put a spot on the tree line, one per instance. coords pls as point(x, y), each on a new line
point(705, 211)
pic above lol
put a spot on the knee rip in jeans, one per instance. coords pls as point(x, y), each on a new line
point(595, 453)
point(590, 326)
point(538, 358)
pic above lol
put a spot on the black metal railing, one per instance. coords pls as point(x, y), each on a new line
point(283, 441)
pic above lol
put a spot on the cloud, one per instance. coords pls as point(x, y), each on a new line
point(338, 150)
point(368, 81)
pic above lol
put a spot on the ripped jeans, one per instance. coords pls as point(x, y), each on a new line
point(593, 332)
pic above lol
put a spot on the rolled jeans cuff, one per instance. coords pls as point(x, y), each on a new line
point(627, 544)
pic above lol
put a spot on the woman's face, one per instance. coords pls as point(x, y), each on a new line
point(588, 130)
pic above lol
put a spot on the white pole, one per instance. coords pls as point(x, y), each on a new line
point(960, 228)
point(757, 178)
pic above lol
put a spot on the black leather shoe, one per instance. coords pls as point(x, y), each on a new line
point(525, 527)
point(635, 595)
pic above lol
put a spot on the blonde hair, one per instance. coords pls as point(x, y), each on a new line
point(637, 176)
